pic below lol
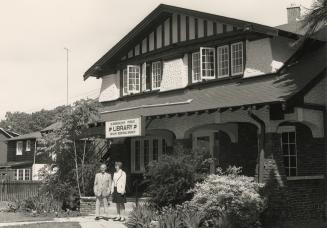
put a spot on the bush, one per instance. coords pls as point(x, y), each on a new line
point(169, 181)
point(141, 216)
point(229, 199)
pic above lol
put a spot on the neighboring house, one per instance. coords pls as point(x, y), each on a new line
point(4, 135)
point(21, 151)
point(236, 89)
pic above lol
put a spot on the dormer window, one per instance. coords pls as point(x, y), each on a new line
point(131, 79)
point(156, 75)
point(207, 63)
point(237, 58)
point(230, 62)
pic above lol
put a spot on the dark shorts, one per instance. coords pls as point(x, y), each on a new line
point(117, 197)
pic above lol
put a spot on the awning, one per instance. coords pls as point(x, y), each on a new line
point(266, 89)
point(15, 164)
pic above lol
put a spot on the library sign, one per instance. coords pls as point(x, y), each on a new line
point(125, 128)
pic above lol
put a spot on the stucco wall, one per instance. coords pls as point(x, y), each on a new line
point(174, 74)
point(266, 55)
point(110, 88)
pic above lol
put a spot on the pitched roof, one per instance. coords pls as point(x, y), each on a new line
point(164, 11)
point(33, 135)
point(52, 127)
point(273, 88)
point(7, 133)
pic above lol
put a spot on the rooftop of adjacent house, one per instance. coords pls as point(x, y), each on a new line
point(8, 133)
point(33, 135)
point(52, 127)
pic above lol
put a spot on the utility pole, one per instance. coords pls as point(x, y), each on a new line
point(67, 72)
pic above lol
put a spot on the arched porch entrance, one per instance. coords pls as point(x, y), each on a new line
point(230, 144)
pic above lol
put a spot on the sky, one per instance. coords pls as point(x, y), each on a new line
point(34, 34)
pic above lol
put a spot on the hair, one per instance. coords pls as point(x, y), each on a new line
point(103, 164)
point(119, 164)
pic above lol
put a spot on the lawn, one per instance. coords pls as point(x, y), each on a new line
point(50, 225)
point(20, 217)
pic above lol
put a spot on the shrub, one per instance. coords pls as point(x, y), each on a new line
point(229, 199)
point(169, 181)
point(141, 217)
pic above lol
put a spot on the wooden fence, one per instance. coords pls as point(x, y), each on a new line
point(18, 190)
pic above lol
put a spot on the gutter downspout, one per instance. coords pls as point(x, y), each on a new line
point(261, 146)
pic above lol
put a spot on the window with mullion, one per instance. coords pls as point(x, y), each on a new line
point(125, 82)
point(207, 63)
point(156, 75)
point(134, 79)
point(237, 58)
point(223, 61)
point(288, 144)
point(196, 73)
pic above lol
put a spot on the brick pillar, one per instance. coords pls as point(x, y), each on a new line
point(275, 180)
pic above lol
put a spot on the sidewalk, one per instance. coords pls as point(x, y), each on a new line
point(84, 221)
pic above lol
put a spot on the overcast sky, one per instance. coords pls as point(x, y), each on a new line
point(34, 33)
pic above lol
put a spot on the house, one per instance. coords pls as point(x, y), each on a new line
point(21, 153)
point(234, 88)
point(4, 135)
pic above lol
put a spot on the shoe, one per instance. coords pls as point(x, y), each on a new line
point(105, 218)
point(122, 220)
point(97, 218)
point(116, 219)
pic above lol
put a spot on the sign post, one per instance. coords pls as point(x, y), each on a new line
point(125, 128)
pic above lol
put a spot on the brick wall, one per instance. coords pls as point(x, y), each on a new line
point(295, 199)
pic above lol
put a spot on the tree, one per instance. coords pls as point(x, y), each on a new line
point(315, 18)
point(23, 123)
point(74, 151)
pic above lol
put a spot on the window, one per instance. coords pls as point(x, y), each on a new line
point(125, 83)
point(20, 174)
point(207, 63)
point(288, 146)
point(27, 174)
point(145, 150)
point(237, 58)
point(196, 76)
point(19, 148)
point(28, 145)
point(133, 82)
point(23, 174)
point(156, 75)
point(223, 61)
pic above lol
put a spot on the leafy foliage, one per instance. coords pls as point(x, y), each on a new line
point(229, 199)
point(23, 123)
point(74, 152)
point(170, 180)
point(316, 17)
point(141, 216)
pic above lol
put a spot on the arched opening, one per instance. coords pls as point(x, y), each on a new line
point(230, 144)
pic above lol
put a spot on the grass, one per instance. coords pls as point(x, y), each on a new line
point(20, 217)
point(49, 225)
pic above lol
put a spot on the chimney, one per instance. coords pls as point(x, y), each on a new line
point(293, 13)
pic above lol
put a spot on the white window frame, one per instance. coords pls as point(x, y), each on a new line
point(213, 62)
point(232, 59)
point(24, 174)
point(156, 75)
point(221, 61)
point(289, 129)
point(125, 82)
point(150, 139)
point(19, 148)
point(28, 145)
point(137, 79)
point(196, 65)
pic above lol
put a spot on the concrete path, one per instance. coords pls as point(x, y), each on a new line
point(84, 221)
